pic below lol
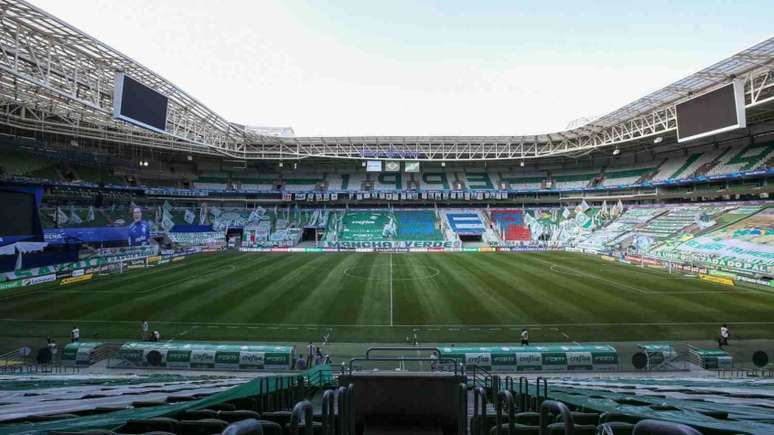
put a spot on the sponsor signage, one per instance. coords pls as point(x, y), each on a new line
point(536, 358)
point(394, 244)
point(73, 280)
point(210, 355)
point(717, 279)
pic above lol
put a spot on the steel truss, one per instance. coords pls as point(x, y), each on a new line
point(56, 79)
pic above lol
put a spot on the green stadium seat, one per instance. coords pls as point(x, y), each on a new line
point(201, 427)
point(234, 416)
point(280, 417)
point(137, 426)
point(519, 429)
point(579, 429)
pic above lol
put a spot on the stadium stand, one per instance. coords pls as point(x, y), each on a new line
point(625, 176)
point(685, 166)
point(420, 225)
point(744, 158)
point(573, 179)
point(523, 181)
point(510, 223)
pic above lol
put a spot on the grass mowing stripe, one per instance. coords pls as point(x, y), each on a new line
point(457, 295)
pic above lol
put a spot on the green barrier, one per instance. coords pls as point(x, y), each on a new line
point(209, 355)
point(711, 359)
point(80, 354)
point(536, 358)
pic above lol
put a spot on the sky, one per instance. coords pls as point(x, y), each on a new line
point(430, 67)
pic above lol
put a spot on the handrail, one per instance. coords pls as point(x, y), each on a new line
point(558, 408)
point(328, 412)
point(302, 408)
point(523, 394)
point(340, 396)
point(507, 397)
point(645, 427)
point(462, 413)
point(250, 426)
point(411, 359)
point(400, 348)
point(350, 396)
point(479, 397)
point(537, 391)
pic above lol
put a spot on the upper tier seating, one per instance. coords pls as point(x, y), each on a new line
point(524, 181)
point(615, 177)
point(684, 166)
point(573, 180)
point(744, 158)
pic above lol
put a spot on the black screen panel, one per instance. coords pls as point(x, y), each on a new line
point(141, 104)
point(18, 214)
point(708, 113)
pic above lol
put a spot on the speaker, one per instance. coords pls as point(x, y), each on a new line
point(44, 356)
point(154, 358)
point(639, 360)
point(760, 358)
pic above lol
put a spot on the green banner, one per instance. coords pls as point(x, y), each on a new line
point(209, 355)
point(536, 358)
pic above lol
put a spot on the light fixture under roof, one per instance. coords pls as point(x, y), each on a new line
point(616, 152)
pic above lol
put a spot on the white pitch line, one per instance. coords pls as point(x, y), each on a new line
point(392, 322)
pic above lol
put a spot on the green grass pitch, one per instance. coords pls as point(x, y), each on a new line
point(357, 297)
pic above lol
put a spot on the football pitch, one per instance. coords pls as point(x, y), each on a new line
point(365, 297)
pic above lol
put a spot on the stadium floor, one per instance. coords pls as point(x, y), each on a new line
point(357, 297)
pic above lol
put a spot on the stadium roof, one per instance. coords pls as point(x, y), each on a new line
point(56, 79)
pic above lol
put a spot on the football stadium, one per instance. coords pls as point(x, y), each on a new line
point(165, 270)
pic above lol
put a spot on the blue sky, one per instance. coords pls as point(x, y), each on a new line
point(400, 67)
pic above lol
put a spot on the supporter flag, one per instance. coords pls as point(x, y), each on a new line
point(74, 218)
point(334, 196)
point(166, 222)
point(566, 213)
point(167, 206)
point(584, 206)
point(90, 215)
point(157, 218)
point(61, 217)
point(604, 213)
point(619, 208)
point(215, 211)
point(203, 214)
point(189, 217)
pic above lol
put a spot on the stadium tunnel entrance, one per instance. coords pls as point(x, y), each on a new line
point(470, 238)
point(234, 237)
point(310, 234)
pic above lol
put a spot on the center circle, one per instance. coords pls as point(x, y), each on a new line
point(365, 272)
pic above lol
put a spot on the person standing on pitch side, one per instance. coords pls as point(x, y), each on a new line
point(75, 335)
point(144, 330)
point(524, 337)
point(724, 334)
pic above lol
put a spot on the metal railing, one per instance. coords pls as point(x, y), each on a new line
point(456, 368)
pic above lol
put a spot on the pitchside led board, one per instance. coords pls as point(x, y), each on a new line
point(713, 112)
point(136, 103)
